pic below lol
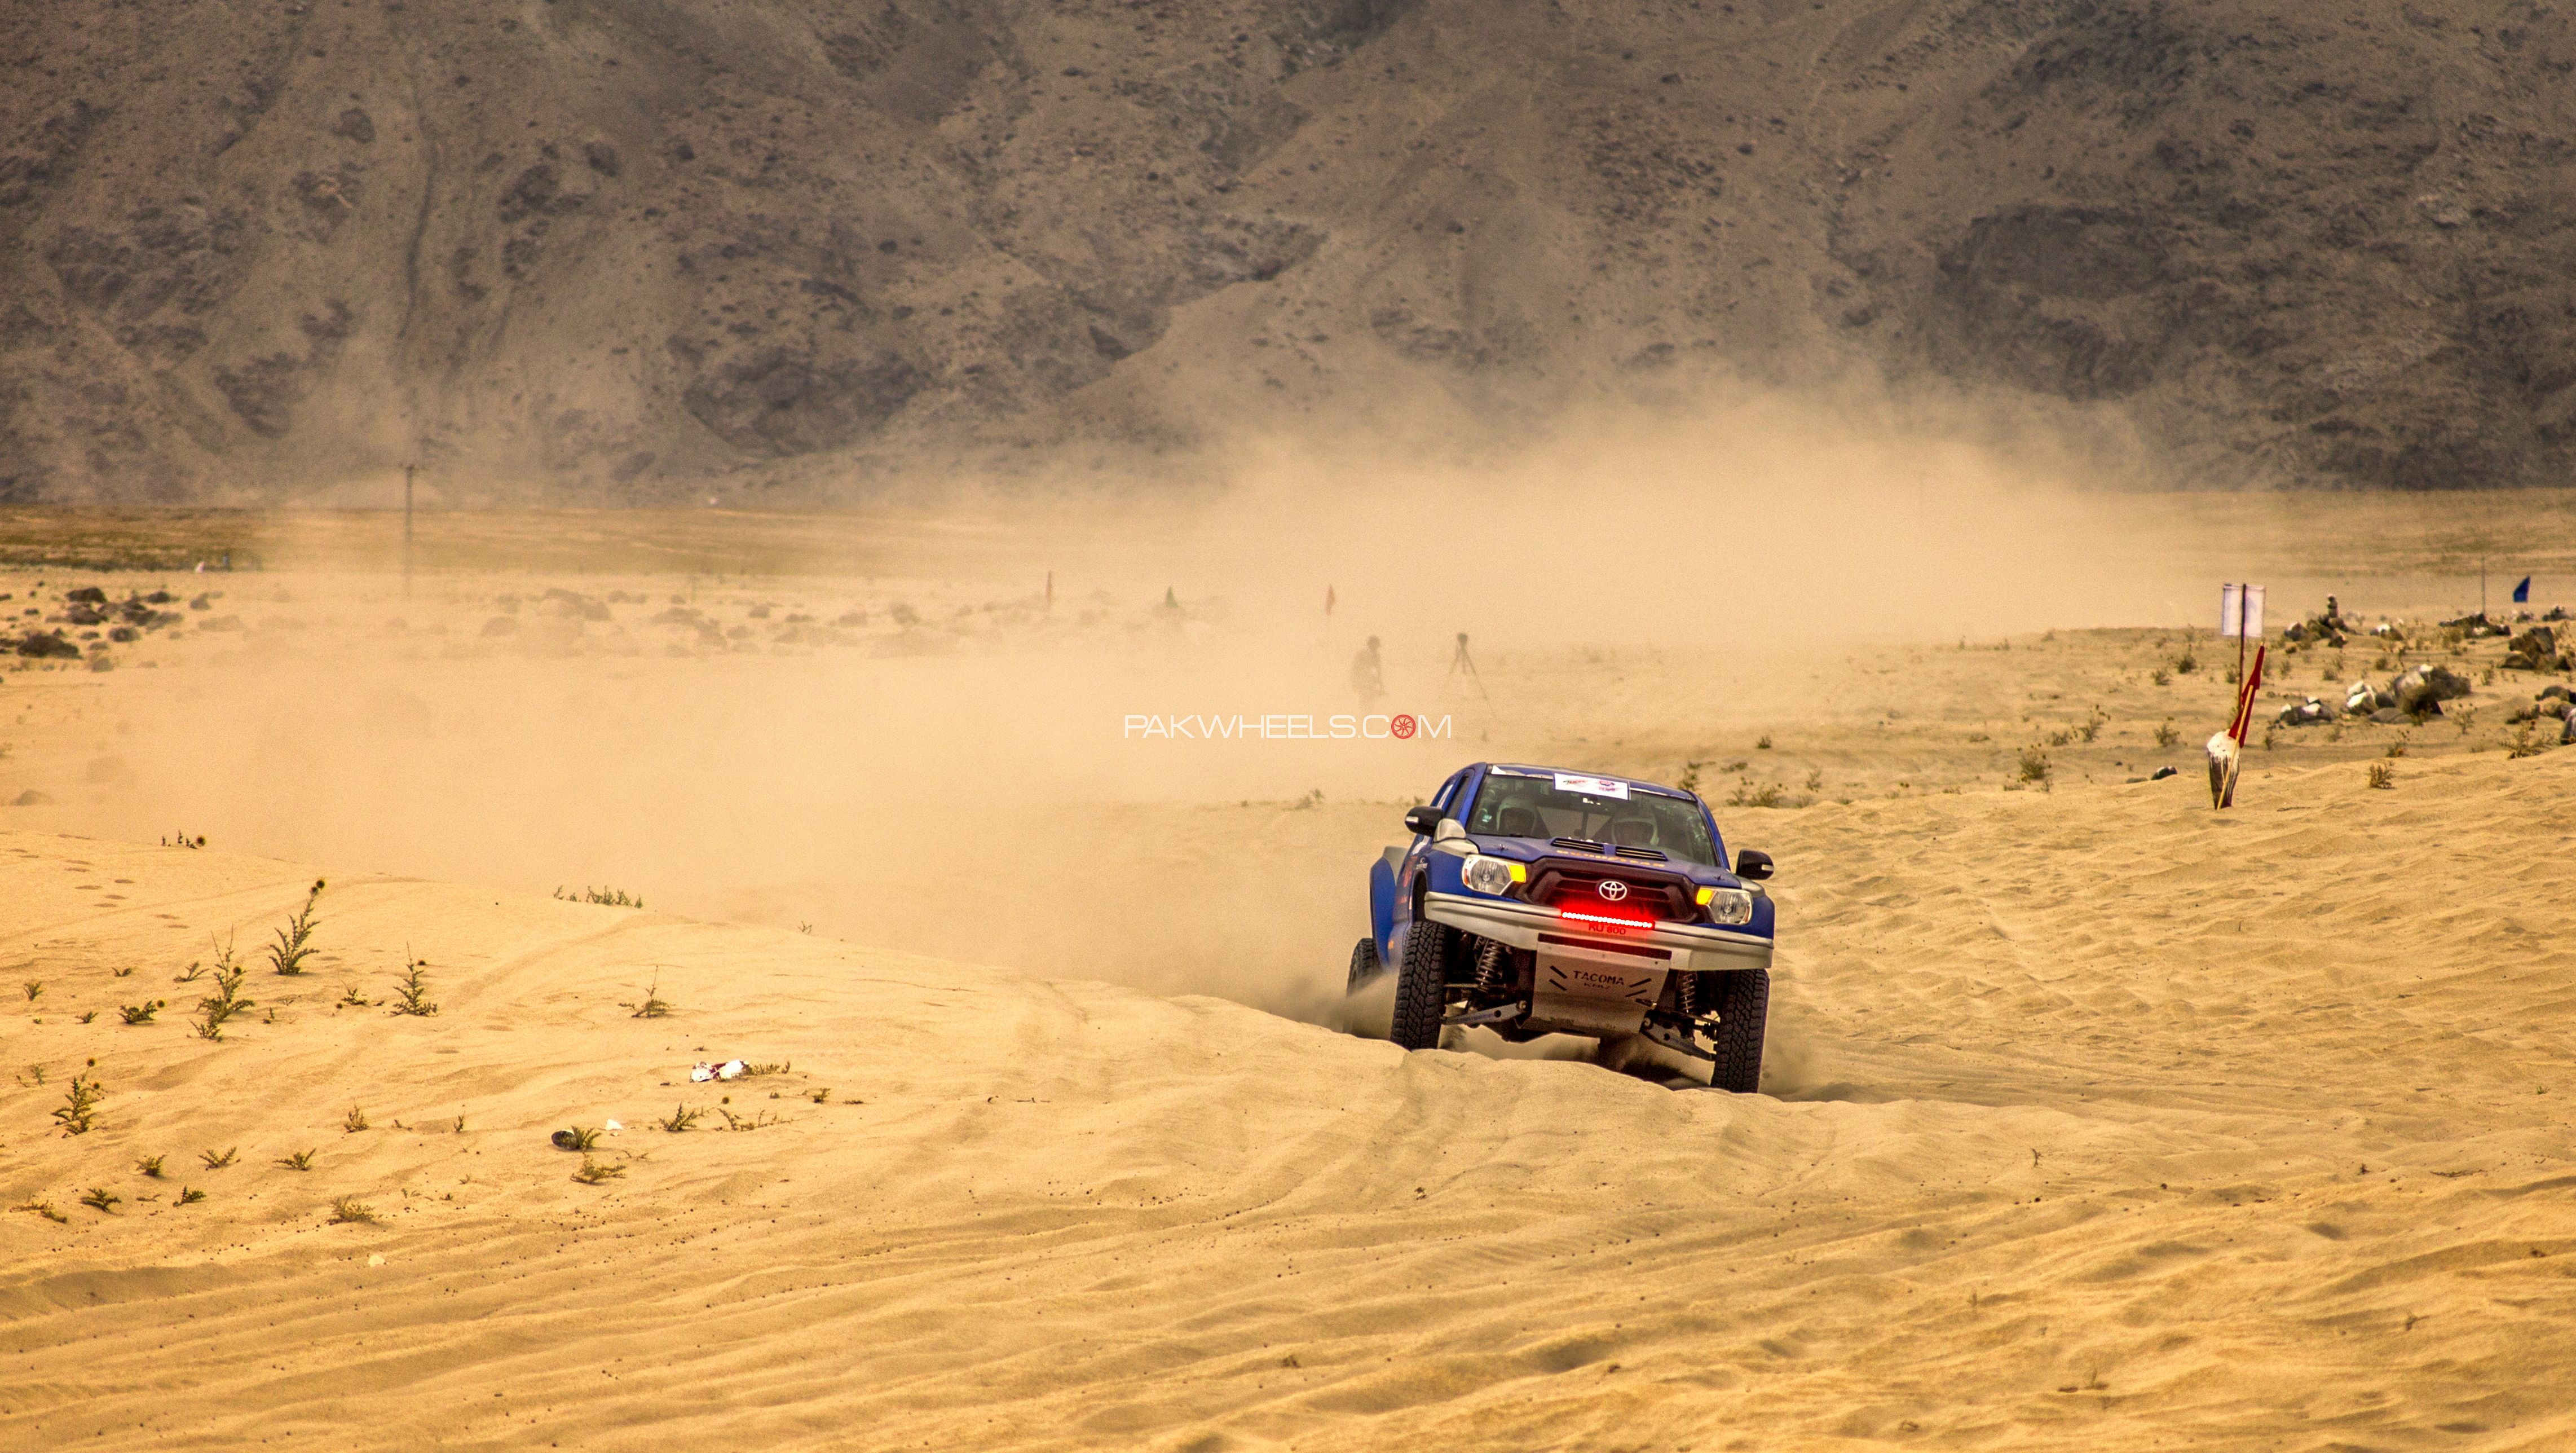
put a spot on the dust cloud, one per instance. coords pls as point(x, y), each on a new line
point(965, 774)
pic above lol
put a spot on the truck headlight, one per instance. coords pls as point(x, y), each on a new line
point(1490, 875)
point(1727, 905)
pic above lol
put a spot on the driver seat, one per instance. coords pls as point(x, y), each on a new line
point(1633, 832)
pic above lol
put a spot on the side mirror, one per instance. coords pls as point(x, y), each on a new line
point(1421, 821)
point(1752, 865)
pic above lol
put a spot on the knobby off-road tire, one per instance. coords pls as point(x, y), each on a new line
point(1364, 966)
point(1422, 984)
point(1743, 1005)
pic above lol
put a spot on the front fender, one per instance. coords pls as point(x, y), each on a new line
point(1382, 903)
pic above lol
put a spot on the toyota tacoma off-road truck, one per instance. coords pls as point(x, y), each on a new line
point(1535, 901)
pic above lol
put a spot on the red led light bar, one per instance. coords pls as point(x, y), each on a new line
point(1615, 925)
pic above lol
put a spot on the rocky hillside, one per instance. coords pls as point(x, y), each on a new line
point(636, 248)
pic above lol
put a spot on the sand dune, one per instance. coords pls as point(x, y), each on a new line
point(2098, 1123)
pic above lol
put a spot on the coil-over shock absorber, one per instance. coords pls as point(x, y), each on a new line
point(1494, 976)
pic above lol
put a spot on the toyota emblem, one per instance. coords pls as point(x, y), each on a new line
point(1612, 890)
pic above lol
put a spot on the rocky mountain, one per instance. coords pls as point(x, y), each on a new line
point(640, 249)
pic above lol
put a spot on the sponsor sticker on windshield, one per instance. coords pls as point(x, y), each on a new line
point(1592, 786)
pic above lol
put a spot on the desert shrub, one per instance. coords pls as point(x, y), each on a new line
point(413, 991)
point(2035, 768)
point(1748, 795)
point(79, 1110)
point(293, 945)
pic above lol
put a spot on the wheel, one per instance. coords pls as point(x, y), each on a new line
point(1422, 985)
point(1743, 1004)
point(1364, 965)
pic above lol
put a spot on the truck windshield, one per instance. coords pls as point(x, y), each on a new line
point(1540, 807)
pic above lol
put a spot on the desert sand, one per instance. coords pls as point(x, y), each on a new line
point(2093, 1119)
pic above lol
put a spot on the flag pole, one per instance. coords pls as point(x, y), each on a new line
point(2241, 602)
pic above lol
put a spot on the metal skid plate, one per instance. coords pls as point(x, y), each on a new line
point(1595, 994)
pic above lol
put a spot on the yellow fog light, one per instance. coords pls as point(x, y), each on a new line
point(1727, 905)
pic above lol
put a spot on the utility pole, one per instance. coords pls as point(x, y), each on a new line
point(407, 469)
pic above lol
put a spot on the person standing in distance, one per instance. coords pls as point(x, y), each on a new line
point(1368, 677)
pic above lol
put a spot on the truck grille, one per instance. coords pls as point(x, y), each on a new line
point(1577, 886)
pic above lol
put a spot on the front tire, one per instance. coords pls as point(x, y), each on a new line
point(1743, 1008)
point(1422, 985)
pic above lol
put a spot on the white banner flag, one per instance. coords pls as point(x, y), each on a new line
point(2240, 611)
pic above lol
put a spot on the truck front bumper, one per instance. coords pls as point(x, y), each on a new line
point(1677, 947)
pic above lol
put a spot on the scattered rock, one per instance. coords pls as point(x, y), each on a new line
point(101, 662)
point(2535, 649)
point(124, 634)
point(559, 601)
point(42, 644)
point(30, 798)
point(2311, 712)
point(2388, 716)
point(2421, 691)
point(87, 595)
point(203, 602)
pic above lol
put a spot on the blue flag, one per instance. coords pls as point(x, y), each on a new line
point(2522, 592)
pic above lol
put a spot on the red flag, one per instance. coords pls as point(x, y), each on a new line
point(2253, 682)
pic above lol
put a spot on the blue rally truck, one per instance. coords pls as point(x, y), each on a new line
point(1536, 901)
